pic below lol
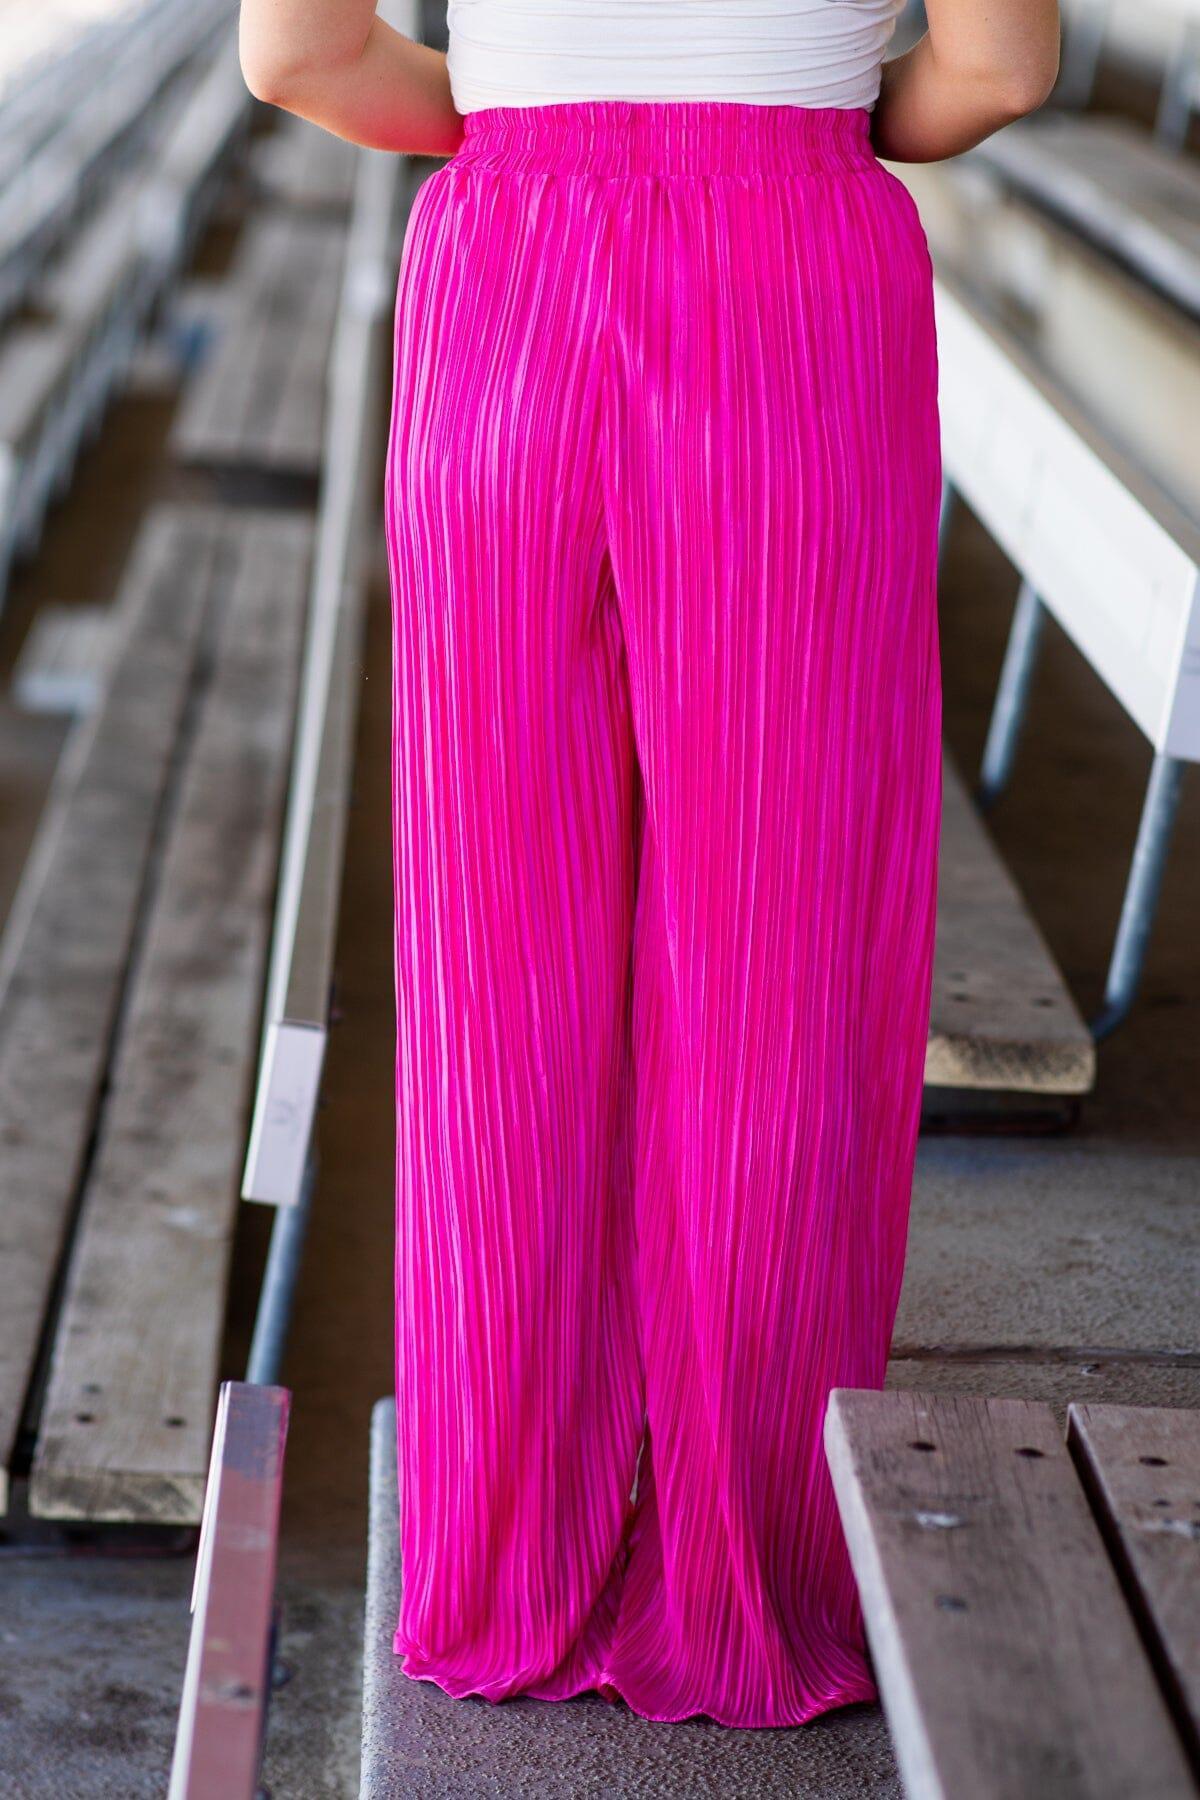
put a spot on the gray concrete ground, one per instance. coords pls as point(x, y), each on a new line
point(1044, 1266)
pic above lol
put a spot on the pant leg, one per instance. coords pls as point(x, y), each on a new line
point(519, 1392)
point(772, 478)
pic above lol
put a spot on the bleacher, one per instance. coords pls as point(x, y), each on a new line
point(177, 906)
point(105, 186)
point(1086, 479)
point(1024, 1585)
point(167, 960)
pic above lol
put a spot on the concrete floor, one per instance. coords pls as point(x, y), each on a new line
point(1053, 1267)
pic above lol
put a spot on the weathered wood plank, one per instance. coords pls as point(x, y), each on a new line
point(1008, 1662)
point(227, 1682)
point(259, 402)
point(207, 125)
point(69, 931)
point(1001, 1015)
point(126, 1421)
point(1141, 1465)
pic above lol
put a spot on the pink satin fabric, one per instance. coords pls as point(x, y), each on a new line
point(662, 499)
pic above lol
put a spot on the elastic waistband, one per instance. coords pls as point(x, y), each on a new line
point(667, 137)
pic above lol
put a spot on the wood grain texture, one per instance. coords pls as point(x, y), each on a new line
point(1002, 1016)
point(259, 402)
point(1008, 1662)
point(71, 925)
point(127, 1416)
point(1141, 1466)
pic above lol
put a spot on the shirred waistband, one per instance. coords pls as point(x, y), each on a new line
point(667, 137)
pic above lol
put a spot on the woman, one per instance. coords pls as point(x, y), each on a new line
point(662, 498)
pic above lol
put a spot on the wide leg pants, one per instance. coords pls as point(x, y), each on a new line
point(662, 496)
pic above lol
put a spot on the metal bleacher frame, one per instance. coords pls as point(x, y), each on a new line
point(1100, 547)
point(1097, 542)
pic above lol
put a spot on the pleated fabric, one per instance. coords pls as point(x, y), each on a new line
point(662, 496)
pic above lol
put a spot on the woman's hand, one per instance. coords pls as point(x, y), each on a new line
point(336, 63)
point(981, 64)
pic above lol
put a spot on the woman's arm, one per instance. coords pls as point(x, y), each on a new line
point(334, 62)
point(981, 64)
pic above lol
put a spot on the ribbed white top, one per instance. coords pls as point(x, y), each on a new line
point(767, 52)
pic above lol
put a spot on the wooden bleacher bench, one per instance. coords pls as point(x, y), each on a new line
point(382, 1745)
point(130, 987)
point(1087, 318)
point(1106, 177)
point(1002, 1016)
point(300, 165)
point(994, 1561)
point(37, 362)
point(227, 1685)
point(259, 402)
point(60, 668)
point(1100, 546)
point(56, 375)
point(1134, 195)
point(210, 126)
point(56, 168)
point(94, 287)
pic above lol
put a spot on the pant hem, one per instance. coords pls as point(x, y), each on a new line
point(611, 1690)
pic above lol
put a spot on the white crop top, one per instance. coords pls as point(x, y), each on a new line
point(767, 52)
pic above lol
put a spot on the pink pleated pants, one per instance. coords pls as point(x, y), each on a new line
point(662, 498)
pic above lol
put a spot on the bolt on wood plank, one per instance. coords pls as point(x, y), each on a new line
point(1008, 1662)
